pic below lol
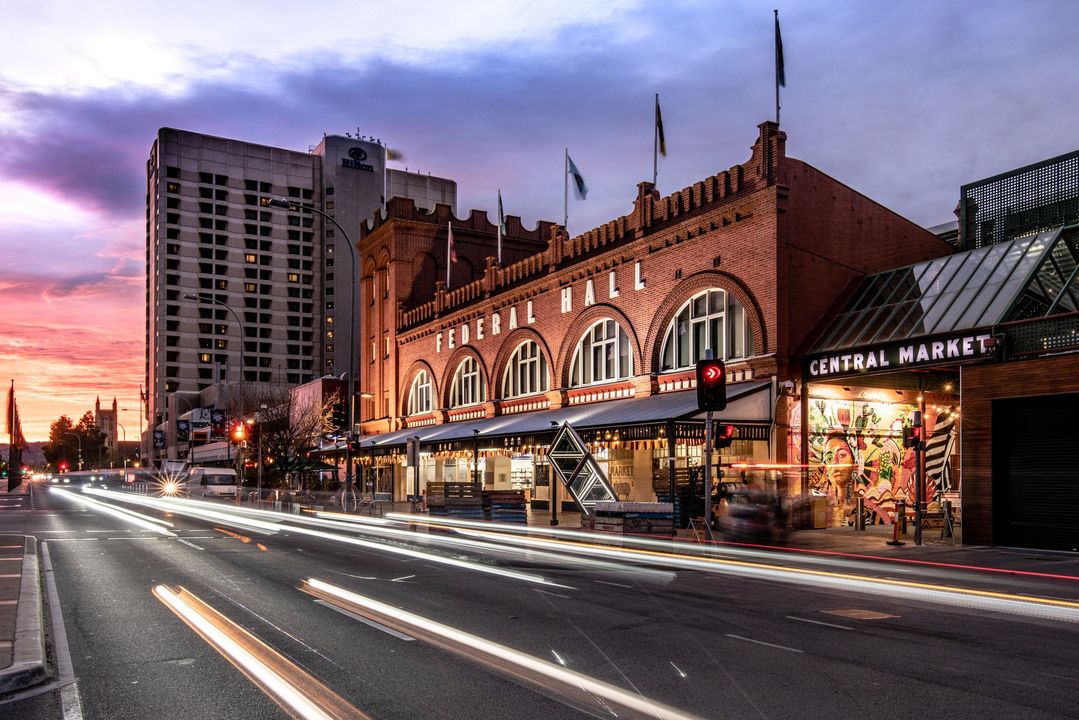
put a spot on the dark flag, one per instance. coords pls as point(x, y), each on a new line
point(659, 130)
point(781, 77)
point(578, 180)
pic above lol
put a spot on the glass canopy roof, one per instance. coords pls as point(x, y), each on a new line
point(1024, 278)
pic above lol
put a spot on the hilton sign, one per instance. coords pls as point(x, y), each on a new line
point(356, 159)
point(898, 356)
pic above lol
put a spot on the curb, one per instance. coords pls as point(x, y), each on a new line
point(28, 651)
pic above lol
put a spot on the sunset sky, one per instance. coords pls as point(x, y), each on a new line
point(904, 101)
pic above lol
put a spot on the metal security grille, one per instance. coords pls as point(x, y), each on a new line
point(1022, 202)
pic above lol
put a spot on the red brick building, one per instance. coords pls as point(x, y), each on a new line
point(603, 329)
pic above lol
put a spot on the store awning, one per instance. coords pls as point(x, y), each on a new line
point(959, 293)
point(746, 404)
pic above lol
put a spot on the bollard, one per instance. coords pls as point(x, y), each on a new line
point(896, 526)
point(859, 519)
point(901, 516)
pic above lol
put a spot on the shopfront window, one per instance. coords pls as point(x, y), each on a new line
point(526, 373)
point(467, 387)
point(713, 319)
point(419, 396)
point(603, 354)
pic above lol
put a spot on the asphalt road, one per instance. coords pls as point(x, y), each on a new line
point(719, 642)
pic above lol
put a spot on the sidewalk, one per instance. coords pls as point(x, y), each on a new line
point(22, 635)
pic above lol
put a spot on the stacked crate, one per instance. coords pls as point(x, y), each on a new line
point(460, 500)
point(505, 506)
point(634, 518)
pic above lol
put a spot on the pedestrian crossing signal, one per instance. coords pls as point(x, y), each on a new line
point(711, 385)
point(724, 436)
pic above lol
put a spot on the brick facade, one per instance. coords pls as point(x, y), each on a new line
point(783, 238)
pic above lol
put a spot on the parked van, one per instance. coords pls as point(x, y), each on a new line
point(212, 482)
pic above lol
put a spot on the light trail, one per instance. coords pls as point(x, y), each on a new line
point(297, 692)
point(984, 600)
point(581, 689)
point(808, 555)
point(137, 519)
point(190, 507)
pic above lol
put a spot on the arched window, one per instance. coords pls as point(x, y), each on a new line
point(712, 319)
point(419, 396)
point(526, 372)
point(602, 355)
point(467, 387)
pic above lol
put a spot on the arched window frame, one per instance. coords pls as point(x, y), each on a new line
point(603, 354)
point(526, 372)
point(419, 394)
point(713, 318)
point(467, 387)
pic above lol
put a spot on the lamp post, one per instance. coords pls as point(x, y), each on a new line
point(240, 327)
point(79, 438)
point(122, 453)
point(288, 205)
point(262, 459)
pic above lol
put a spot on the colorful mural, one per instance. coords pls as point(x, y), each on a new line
point(856, 449)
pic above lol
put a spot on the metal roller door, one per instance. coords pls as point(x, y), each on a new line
point(1036, 472)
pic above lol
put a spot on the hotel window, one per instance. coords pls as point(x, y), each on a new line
point(419, 396)
point(712, 319)
point(250, 287)
point(222, 284)
point(294, 277)
point(329, 204)
point(526, 372)
point(329, 349)
point(467, 386)
point(250, 257)
point(204, 357)
point(329, 334)
point(603, 354)
point(172, 187)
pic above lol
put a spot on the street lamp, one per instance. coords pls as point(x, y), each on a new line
point(240, 327)
point(79, 438)
point(124, 454)
point(261, 419)
point(288, 205)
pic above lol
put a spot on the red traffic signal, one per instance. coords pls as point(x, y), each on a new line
point(723, 436)
point(711, 385)
point(911, 436)
point(238, 432)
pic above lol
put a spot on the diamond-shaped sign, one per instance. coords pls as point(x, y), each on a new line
point(578, 470)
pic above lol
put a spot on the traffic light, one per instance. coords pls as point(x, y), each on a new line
point(238, 432)
point(338, 417)
point(912, 434)
point(711, 385)
point(353, 444)
point(723, 436)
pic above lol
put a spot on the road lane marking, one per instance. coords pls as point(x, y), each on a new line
point(144, 537)
point(761, 642)
point(403, 578)
point(548, 592)
point(621, 585)
point(70, 704)
point(365, 621)
point(190, 544)
point(819, 622)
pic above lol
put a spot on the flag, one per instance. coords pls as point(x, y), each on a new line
point(451, 253)
point(501, 225)
point(579, 187)
point(142, 395)
point(659, 130)
point(781, 77)
point(392, 154)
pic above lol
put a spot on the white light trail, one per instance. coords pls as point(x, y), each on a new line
point(541, 673)
point(138, 520)
point(297, 692)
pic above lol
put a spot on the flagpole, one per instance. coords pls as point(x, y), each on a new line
point(565, 191)
point(11, 436)
point(449, 249)
point(655, 143)
point(500, 227)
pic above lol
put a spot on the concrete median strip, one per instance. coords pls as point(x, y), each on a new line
point(28, 650)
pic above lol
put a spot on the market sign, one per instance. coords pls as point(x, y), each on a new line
point(898, 356)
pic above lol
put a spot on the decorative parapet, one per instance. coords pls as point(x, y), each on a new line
point(651, 213)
